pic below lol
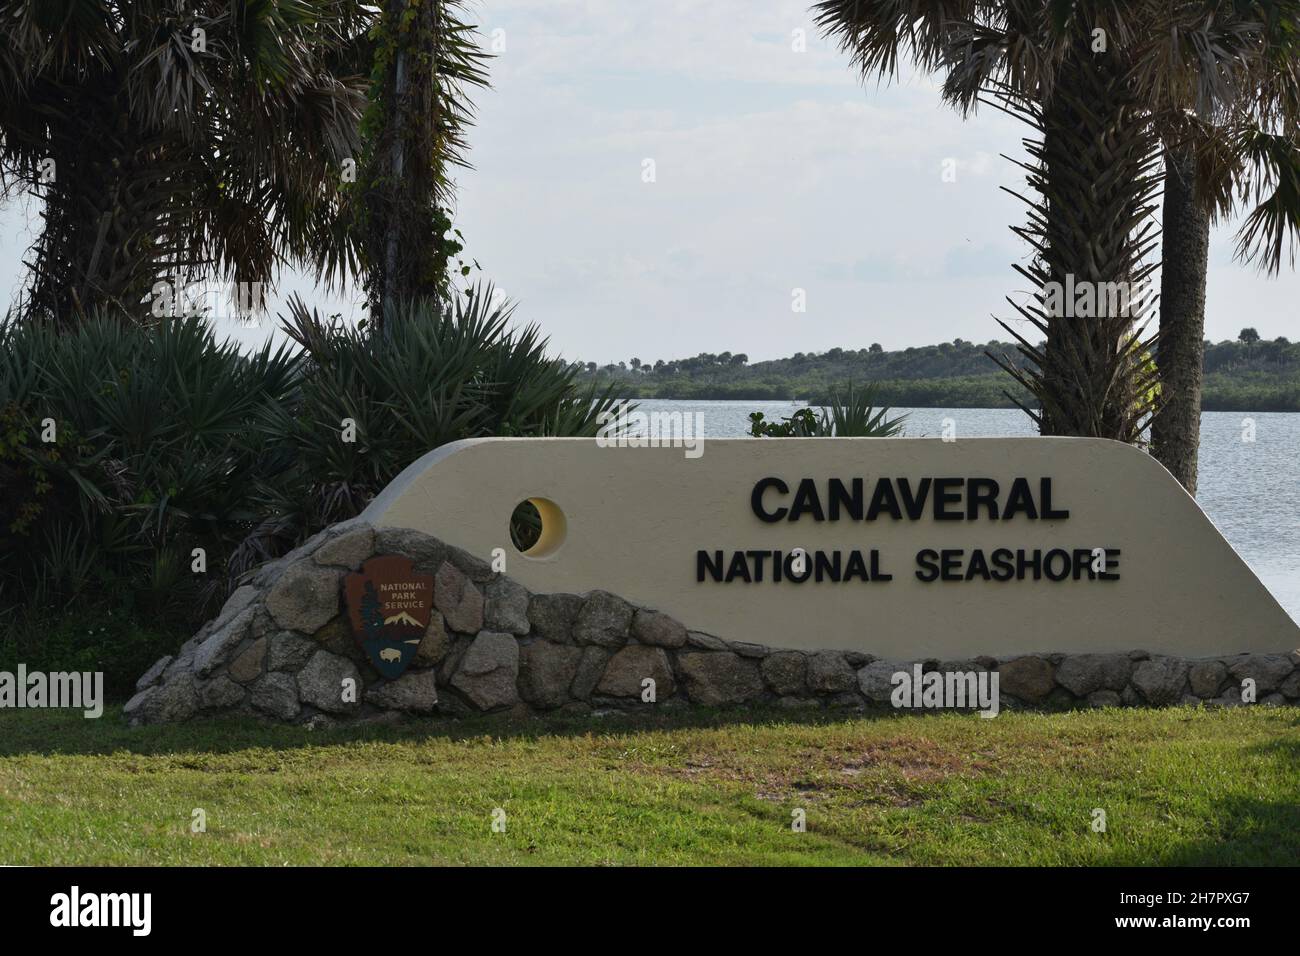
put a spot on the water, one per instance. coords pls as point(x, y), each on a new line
point(1250, 490)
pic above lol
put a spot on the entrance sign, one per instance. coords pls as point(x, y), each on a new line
point(388, 609)
point(902, 548)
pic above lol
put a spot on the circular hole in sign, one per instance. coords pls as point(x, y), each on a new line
point(537, 527)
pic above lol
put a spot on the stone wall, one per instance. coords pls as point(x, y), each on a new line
point(281, 649)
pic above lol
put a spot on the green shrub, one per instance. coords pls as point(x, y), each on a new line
point(154, 457)
point(168, 441)
point(429, 378)
point(853, 417)
point(110, 640)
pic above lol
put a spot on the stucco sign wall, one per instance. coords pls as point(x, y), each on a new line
point(898, 547)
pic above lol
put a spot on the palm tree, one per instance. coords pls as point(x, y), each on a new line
point(171, 139)
point(425, 61)
point(1230, 129)
point(1091, 173)
point(1102, 115)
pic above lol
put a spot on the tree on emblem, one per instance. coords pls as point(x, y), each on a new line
point(372, 617)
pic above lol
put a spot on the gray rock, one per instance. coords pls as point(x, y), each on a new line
point(799, 703)
point(136, 708)
point(489, 670)
point(321, 683)
point(633, 664)
point(287, 651)
point(830, 673)
point(506, 607)
point(268, 573)
point(1081, 674)
point(1104, 698)
point(307, 548)
point(1273, 700)
point(652, 627)
point(1268, 670)
point(426, 552)
point(248, 665)
point(748, 649)
point(546, 671)
point(1291, 686)
point(876, 680)
point(857, 659)
point(154, 673)
point(453, 705)
point(169, 702)
point(705, 641)
point(305, 597)
point(240, 599)
point(348, 550)
point(415, 692)
point(591, 667)
point(1231, 697)
point(336, 637)
point(1161, 680)
point(186, 653)
point(263, 623)
point(1030, 678)
point(785, 672)
point(221, 643)
point(847, 700)
point(347, 525)
point(974, 665)
point(552, 616)
point(276, 694)
point(472, 566)
point(719, 678)
point(459, 599)
point(604, 620)
point(220, 693)
point(1062, 699)
point(434, 644)
point(182, 663)
point(1206, 677)
point(451, 660)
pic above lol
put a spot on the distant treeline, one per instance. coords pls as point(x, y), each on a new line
point(1239, 376)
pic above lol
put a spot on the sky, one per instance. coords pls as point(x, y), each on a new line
point(778, 176)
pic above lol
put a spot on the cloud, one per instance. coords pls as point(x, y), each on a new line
point(775, 170)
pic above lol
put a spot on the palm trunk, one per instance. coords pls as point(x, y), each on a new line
point(108, 220)
point(1096, 184)
point(1176, 431)
point(403, 237)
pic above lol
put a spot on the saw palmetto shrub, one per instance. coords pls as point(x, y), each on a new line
point(126, 449)
point(857, 415)
point(373, 400)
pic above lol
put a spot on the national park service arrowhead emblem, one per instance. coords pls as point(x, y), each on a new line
point(389, 607)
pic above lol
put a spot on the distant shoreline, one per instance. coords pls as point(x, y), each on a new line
point(1210, 402)
point(1239, 376)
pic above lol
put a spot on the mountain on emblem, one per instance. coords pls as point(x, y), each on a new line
point(402, 618)
point(389, 607)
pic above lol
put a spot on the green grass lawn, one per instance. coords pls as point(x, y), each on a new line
point(1178, 786)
